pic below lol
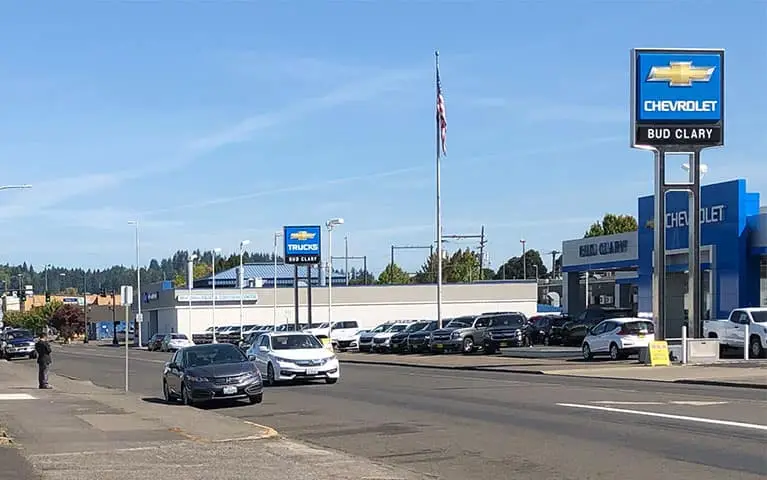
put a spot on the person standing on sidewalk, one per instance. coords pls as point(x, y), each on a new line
point(43, 349)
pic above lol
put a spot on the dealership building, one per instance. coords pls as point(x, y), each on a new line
point(167, 309)
point(733, 257)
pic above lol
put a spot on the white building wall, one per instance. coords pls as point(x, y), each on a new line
point(369, 306)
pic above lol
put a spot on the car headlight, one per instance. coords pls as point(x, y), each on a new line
point(193, 378)
point(281, 360)
point(387, 340)
point(455, 334)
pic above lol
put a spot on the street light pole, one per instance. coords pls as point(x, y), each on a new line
point(240, 278)
point(190, 283)
point(524, 260)
point(331, 224)
point(139, 316)
point(46, 278)
point(274, 280)
point(213, 281)
point(85, 304)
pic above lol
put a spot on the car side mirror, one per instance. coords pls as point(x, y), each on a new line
point(588, 330)
point(263, 348)
point(172, 365)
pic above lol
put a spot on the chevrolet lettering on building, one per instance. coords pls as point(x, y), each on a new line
point(677, 97)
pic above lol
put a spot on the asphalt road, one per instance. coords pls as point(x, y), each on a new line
point(460, 425)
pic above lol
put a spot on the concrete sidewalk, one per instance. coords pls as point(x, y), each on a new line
point(752, 374)
point(79, 431)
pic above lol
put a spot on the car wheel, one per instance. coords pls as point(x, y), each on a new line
point(546, 341)
point(331, 381)
point(489, 350)
point(254, 399)
point(467, 346)
point(166, 393)
point(33, 355)
point(586, 351)
point(615, 352)
point(270, 375)
point(755, 347)
point(185, 398)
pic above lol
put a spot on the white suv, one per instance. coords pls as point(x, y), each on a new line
point(618, 337)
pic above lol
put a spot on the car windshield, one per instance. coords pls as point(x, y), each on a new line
point(209, 329)
point(397, 328)
point(178, 336)
point(558, 321)
point(322, 325)
point(759, 316)
point(218, 354)
point(414, 327)
point(16, 334)
point(507, 321)
point(459, 323)
point(380, 328)
point(295, 342)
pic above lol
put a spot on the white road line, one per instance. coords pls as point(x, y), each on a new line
point(16, 396)
point(611, 402)
point(728, 423)
point(696, 403)
point(691, 403)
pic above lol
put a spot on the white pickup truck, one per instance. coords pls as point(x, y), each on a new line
point(732, 330)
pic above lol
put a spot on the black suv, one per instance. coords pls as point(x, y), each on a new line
point(418, 342)
point(547, 329)
point(574, 331)
point(504, 330)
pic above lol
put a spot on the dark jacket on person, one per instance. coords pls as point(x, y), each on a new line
point(43, 349)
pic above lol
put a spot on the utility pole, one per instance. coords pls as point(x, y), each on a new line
point(364, 259)
point(482, 241)
point(554, 254)
point(346, 258)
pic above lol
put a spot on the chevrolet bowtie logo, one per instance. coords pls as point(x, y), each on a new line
point(680, 74)
point(302, 235)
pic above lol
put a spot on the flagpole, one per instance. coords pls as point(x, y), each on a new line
point(439, 201)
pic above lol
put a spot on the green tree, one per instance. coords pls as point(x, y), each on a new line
point(361, 277)
point(460, 267)
point(612, 224)
point(200, 270)
point(513, 268)
point(393, 274)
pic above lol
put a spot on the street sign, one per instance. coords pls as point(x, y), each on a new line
point(677, 98)
point(302, 245)
point(139, 317)
point(126, 295)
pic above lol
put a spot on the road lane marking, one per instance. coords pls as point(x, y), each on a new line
point(712, 421)
point(16, 396)
point(691, 403)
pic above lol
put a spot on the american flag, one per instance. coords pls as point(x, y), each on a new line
point(441, 117)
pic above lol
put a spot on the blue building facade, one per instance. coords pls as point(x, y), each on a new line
point(733, 254)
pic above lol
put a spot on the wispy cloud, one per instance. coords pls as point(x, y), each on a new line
point(357, 91)
point(305, 187)
point(106, 219)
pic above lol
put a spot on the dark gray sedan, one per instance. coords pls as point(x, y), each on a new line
point(209, 372)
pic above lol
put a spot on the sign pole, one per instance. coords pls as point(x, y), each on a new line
point(695, 310)
point(295, 294)
point(659, 250)
point(127, 314)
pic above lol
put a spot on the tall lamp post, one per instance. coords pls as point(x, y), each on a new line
point(190, 283)
point(240, 280)
point(213, 282)
point(274, 280)
point(47, 266)
point(139, 317)
point(524, 260)
point(85, 304)
point(331, 224)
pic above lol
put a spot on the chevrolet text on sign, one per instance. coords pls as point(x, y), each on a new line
point(302, 244)
point(677, 97)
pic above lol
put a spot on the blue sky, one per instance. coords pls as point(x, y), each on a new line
point(213, 122)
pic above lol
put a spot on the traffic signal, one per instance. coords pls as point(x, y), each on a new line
point(47, 297)
point(23, 296)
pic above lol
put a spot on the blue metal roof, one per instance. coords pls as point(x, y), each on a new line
point(265, 271)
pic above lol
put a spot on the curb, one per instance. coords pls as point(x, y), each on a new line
point(464, 368)
point(714, 383)
point(717, 383)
